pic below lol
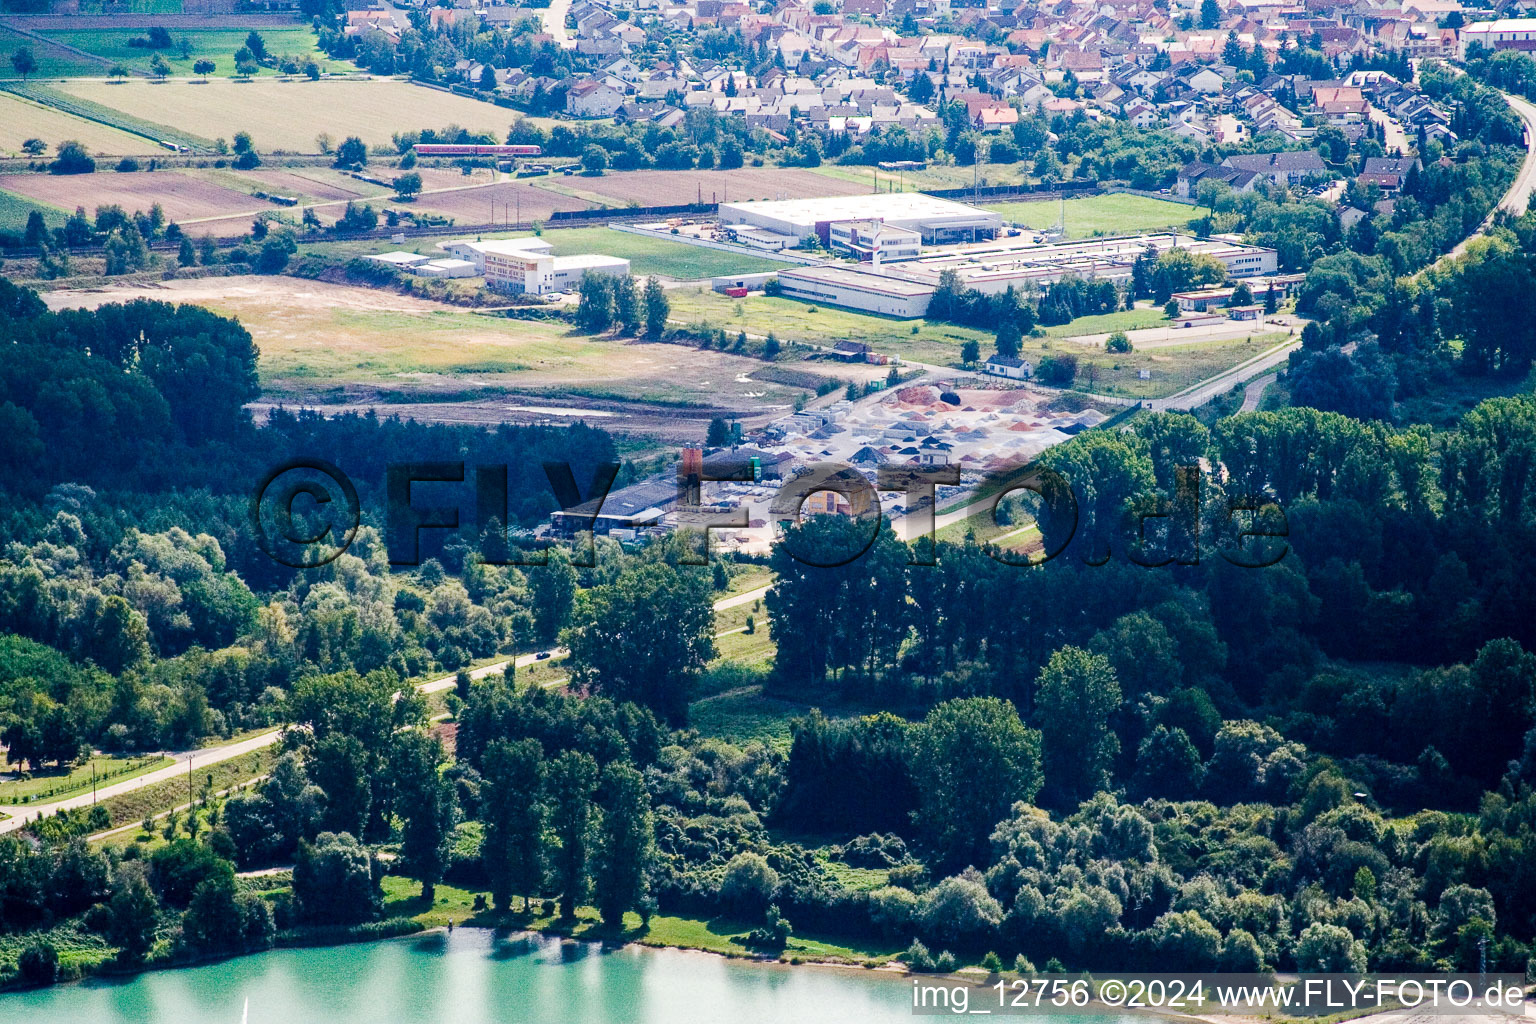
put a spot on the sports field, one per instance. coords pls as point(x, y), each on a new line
point(1114, 214)
point(656, 255)
point(22, 119)
point(647, 255)
point(218, 45)
point(288, 115)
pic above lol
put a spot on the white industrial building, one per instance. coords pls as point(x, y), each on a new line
point(446, 268)
point(856, 289)
point(1022, 264)
point(474, 251)
point(536, 273)
point(400, 260)
point(903, 288)
point(937, 221)
point(874, 241)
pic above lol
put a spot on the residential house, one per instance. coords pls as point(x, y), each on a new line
point(1281, 168)
point(592, 98)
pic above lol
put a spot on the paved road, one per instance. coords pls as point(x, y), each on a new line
point(1255, 392)
point(1224, 382)
point(448, 682)
point(740, 599)
point(554, 23)
point(195, 758)
point(1397, 139)
point(1518, 198)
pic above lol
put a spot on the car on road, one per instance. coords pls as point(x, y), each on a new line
point(542, 655)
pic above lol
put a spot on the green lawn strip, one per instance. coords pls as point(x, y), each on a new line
point(929, 178)
point(402, 898)
point(1113, 214)
point(15, 209)
point(54, 785)
point(130, 6)
point(1108, 323)
point(217, 44)
point(755, 649)
point(793, 320)
point(93, 111)
point(52, 61)
point(162, 796)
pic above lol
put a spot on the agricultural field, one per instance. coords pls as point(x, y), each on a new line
point(472, 203)
point(663, 188)
point(307, 184)
point(288, 115)
point(98, 113)
point(1114, 214)
point(14, 211)
point(52, 61)
point(343, 346)
point(22, 119)
point(183, 196)
point(218, 45)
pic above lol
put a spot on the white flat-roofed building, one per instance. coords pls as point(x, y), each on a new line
point(935, 220)
point(446, 268)
point(874, 241)
point(474, 251)
point(856, 289)
point(533, 273)
point(994, 267)
point(760, 239)
point(401, 260)
point(1504, 34)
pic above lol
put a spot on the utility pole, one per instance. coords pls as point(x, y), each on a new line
point(93, 781)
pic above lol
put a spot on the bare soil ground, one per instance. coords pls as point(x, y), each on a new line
point(510, 199)
point(182, 196)
point(316, 184)
point(343, 348)
point(661, 188)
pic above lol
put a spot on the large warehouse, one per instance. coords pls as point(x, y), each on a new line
point(857, 289)
point(937, 220)
point(902, 289)
point(1017, 262)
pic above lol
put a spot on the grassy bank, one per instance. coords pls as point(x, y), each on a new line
point(714, 935)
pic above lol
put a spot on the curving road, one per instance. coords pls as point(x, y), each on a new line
point(1518, 198)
